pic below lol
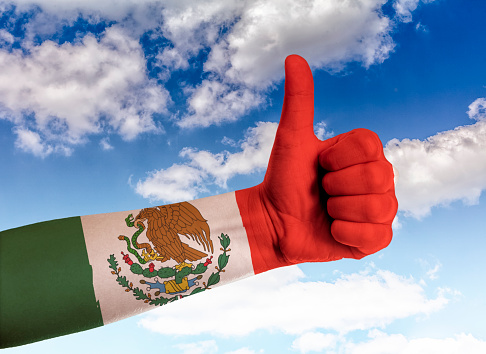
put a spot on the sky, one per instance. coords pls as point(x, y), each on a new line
point(118, 105)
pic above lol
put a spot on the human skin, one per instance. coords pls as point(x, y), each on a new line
point(320, 200)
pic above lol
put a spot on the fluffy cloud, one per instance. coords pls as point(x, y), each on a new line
point(248, 58)
point(174, 184)
point(203, 347)
point(477, 109)
point(213, 102)
point(446, 167)
point(280, 300)
point(314, 342)
point(186, 181)
point(89, 90)
point(57, 95)
point(245, 42)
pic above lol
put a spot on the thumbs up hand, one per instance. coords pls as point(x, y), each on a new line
point(320, 200)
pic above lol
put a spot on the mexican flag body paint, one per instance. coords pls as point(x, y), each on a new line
point(68, 275)
point(320, 201)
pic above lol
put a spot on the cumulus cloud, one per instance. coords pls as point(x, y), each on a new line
point(443, 168)
point(281, 300)
point(248, 58)
point(240, 48)
point(214, 102)
point(185, 181)
point(57, 95)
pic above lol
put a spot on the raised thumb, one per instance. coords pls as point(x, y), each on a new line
point(298, 106)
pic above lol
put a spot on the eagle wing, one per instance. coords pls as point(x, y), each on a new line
point(186, 220)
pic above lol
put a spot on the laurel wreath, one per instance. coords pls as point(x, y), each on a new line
point(139, 294)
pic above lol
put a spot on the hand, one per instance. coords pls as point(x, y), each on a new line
point(320, 200)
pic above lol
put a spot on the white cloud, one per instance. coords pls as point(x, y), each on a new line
point(383, 343)
point(57, 95)
point(325, 33)
point(280, 300)
point(248, 59)
point(404, 9)
point(202, 347)
point(477, 109)
point(432, 273)
point(214, 102)
point(185, 181)
point(105, 144)
point(314, 342)
point(247, 41)
point(174, 184)
point(446, 167)
point(243, 351)
point(6, 38)
point(321, 131)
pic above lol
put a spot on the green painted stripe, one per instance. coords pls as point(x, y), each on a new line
point(46, 283)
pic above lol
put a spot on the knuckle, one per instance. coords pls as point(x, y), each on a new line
point(368, 143)
point(383, 237)
point(382, 208)
point(380, 176)
point(327, 183)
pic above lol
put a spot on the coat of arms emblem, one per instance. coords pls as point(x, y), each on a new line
point(168, 267)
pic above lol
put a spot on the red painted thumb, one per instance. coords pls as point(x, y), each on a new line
point(298, 106)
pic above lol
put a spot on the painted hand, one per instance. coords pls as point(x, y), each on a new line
point(320, 200)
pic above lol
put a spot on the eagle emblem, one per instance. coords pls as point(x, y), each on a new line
point(166, 224)
point(166, 227)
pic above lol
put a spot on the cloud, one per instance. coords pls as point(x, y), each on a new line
point(203, 168)
point(57, 95)
point(247, 58)
point(202, 347)
point(244, 350)
point(383, 343)
point(177, 183)
point(185, 181)
point(404, 9)
point(321, 131)
point(280, 300)
point(214, 102)
point(314, 342)
point(105, 144)
point(240, 47)
point(477, 109)
point(443, 168)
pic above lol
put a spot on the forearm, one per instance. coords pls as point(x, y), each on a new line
point(69, 275)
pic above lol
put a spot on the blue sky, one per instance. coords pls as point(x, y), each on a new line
point(101, 107)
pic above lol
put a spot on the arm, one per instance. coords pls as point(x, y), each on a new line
point(319, 201)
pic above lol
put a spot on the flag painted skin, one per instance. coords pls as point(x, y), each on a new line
point(319, 201)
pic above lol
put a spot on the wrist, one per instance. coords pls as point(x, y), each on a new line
point(262, 236)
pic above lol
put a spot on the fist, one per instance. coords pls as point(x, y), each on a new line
point(358, 182)
point(320, 200)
